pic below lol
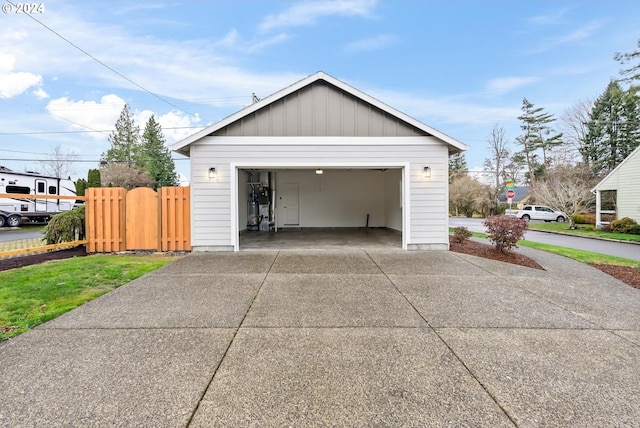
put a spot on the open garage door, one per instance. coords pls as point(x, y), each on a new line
point(319, 207)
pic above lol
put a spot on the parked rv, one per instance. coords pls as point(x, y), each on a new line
point(27, 186)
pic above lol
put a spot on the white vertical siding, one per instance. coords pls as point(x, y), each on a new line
point(426, 227)
point(626, 180)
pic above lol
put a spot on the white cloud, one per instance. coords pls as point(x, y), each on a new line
point(307, 13)
point(15, 83)
point(88, 115)
point(40, 94)
point(446, 109)
point(503, 85)
point(372, 44)
point(175, 125)
point(549, 19)
point(575, 36)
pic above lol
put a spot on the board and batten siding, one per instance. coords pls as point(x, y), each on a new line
point(214, 228)
point(626, 181)
point(319, 110)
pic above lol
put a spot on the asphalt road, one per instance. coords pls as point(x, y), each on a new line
point(620, 249)
point(16, 233)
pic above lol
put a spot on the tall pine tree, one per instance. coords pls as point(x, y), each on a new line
point(154, 156)
point(613, 129)
point(124, 140)
point(538, 135)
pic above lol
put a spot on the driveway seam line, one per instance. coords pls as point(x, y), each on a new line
point(473, 376)
point(226, 351)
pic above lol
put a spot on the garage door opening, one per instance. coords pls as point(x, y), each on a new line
point(319, 208)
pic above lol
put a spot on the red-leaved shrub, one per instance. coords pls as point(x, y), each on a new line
point(504, 231)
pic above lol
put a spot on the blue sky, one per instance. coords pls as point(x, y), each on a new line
point(458, 66)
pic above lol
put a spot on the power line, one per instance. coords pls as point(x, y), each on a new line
point(105, 65)
point(85, 132)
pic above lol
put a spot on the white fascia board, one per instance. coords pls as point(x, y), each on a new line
point(321, 141)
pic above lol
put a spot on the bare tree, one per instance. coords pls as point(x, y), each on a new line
point(466, 195)
point(574, 125)
point(121, 174)
point(60, 163)
point(497, 163)
point(567, 188)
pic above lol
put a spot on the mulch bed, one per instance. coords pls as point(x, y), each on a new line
point(33, 259)
point(625, 274)
point(488, 252)
point(628, 275)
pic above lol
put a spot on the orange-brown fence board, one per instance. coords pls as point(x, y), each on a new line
point(141, 219)
point(175, 218)
point(105, 219)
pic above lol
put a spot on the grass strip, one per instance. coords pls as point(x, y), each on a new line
point(588, 232)
point(32, 295)
point(578, 255)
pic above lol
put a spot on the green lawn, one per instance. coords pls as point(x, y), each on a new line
point(32, 295)
point(564, 228)
point(578, 255)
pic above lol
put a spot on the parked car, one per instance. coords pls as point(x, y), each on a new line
point(540, 212)
point(10, 219)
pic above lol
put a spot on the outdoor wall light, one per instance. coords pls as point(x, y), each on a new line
point(212, 173)
point(319, 171)
point(426, 172)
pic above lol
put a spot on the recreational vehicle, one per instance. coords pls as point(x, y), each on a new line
point(27, 186)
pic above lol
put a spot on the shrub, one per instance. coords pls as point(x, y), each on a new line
point(65, 227)
point(634, 230)
point(461, 234)
point(505, 231)
point(623, 225)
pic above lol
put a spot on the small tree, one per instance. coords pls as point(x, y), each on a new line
point(125, 175)
point(65, 227)
point(155, 157)
point(505, 232)
point(93, 178)
point(567, 188)
point(59, 164)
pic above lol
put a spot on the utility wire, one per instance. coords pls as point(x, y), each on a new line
point(105, 65)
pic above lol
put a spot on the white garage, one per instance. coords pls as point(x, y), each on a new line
point(318, 154)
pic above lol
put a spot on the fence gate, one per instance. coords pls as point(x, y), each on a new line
point(141, 219)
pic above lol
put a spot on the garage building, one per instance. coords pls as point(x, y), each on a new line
point(318, 154)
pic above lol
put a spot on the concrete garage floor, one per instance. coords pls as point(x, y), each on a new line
point(349, 338)
point(322, 238)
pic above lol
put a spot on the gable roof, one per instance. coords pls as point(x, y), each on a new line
point(183, 145)
point(615, 171)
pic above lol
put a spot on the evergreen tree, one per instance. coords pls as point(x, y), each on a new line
point(93, 178)
point(124, 140)
point(154, 156)
point(457, 165)
point(538, 135)
point(633, 72)
point(81, 186)
point(613, 128)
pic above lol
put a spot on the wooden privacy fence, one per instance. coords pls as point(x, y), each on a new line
point(139, 219)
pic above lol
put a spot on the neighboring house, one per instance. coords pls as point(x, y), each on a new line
point(625, 180)
point(317, 154)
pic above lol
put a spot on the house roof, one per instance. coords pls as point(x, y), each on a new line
point(604, 181)
point(183, 145)
point(521, 193)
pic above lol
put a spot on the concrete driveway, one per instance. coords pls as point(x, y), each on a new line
point(336, 338)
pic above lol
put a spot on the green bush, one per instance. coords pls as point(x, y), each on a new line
point(65, 227)
point(634, 230)
point(461, 234)
point(623, 225)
